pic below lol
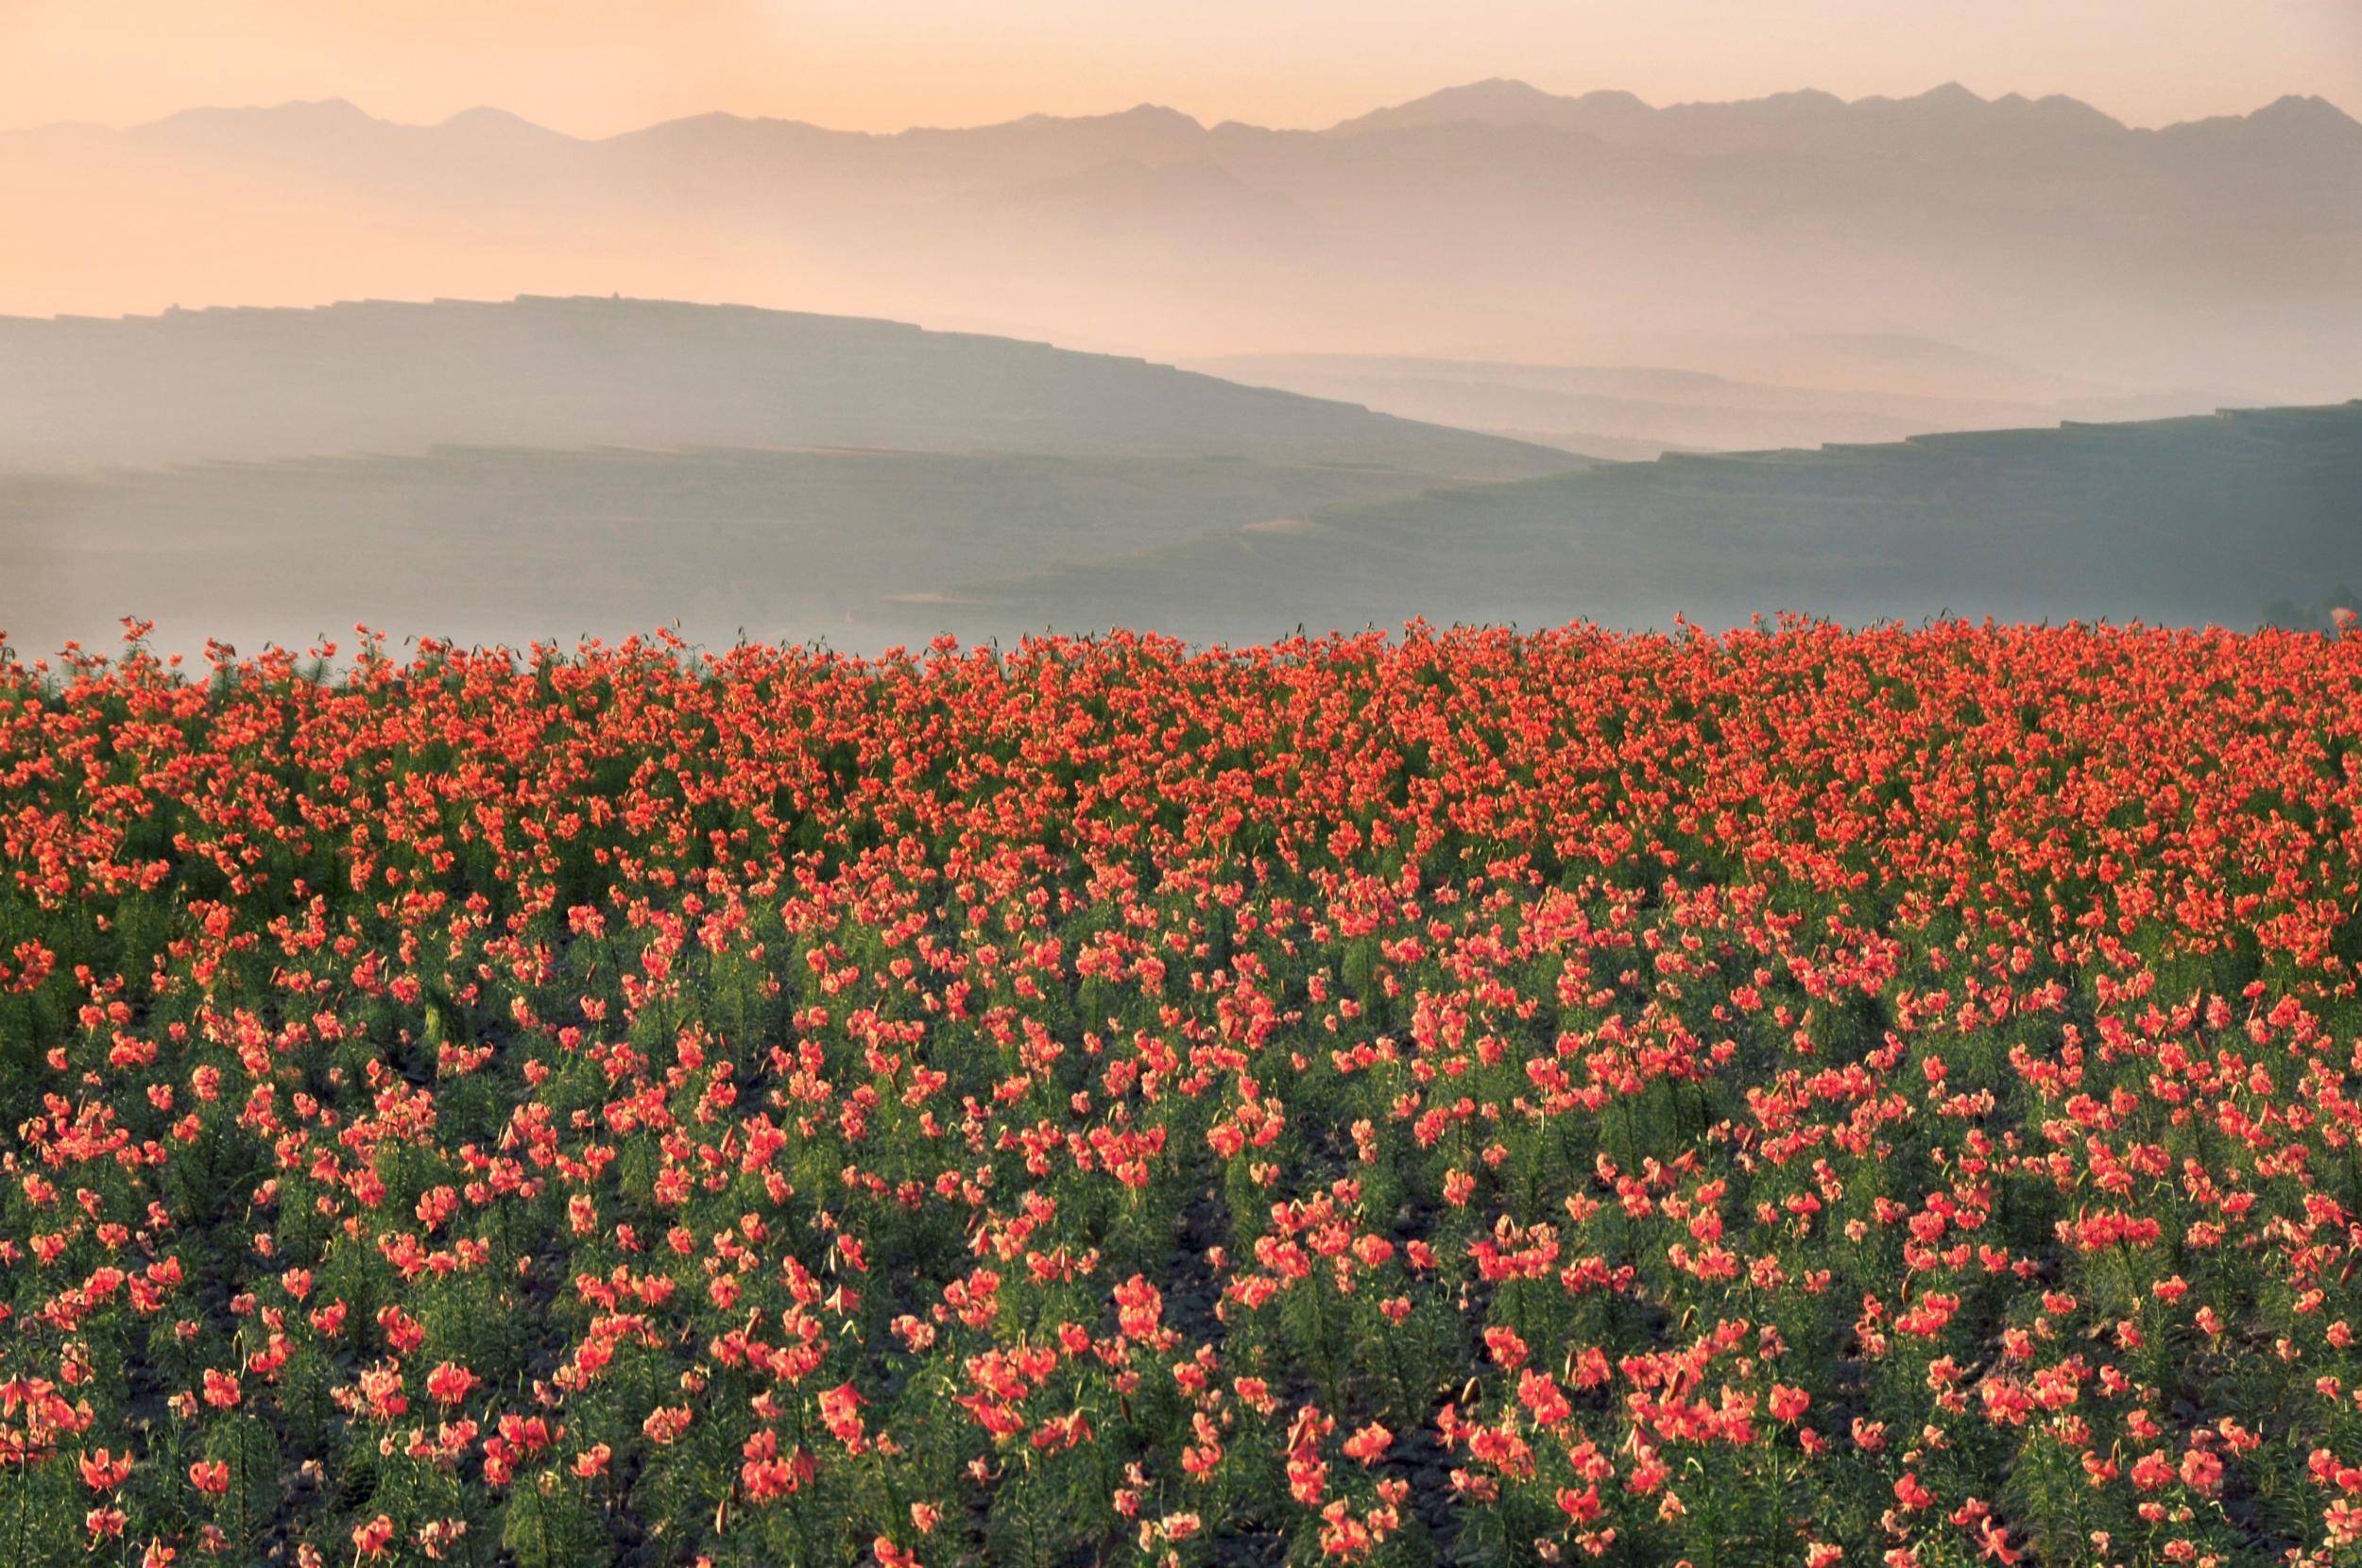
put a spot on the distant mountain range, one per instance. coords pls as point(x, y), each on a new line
point(1945, 122)
point(1491, 221)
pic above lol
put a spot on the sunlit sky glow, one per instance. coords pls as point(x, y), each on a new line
point(595, 67)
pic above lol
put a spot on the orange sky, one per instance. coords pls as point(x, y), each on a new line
point(598, 66)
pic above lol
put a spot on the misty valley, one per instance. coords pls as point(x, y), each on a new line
point(547, 470)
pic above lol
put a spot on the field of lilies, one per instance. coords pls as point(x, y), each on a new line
point(1800, 1095)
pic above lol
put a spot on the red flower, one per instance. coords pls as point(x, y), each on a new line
point(373, 1538)
point(1139, 1308)
point(104, 1472)
point(450, 1383)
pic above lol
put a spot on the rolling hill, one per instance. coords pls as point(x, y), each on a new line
point(385, 377)
point(2193, 520)
point(1623, 413)
point(547, 466)
point(2189, 521)
point(508, 544)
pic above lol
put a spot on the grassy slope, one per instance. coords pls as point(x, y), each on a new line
point(2198, 520)
point(489, 545)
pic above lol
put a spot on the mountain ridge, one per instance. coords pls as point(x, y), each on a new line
point(1495, 90)
point(2224, 252)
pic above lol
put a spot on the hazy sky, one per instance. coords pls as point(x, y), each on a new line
point(597, 66)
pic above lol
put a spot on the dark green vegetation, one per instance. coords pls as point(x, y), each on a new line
point(494, 545)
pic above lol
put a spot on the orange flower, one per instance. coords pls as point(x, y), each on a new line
point(373, 1538)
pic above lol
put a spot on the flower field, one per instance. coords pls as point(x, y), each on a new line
point(1794, 1097)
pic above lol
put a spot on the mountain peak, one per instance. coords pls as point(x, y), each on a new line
point(1141, 116)
point(2295, 120)
point(308, 112)
point(486, 117)
point(1493, 86)
point(2295, 109)
point(1496, 101)
point(1493, 92)
point(1945, 98)
point(2056, 108)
